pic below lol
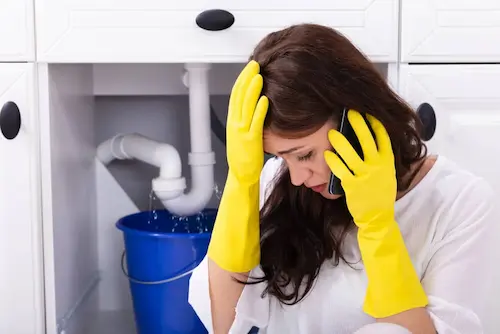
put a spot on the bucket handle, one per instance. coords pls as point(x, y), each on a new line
point(194, 264)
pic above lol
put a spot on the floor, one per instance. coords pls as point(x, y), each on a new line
point(119, 322)
point(112, 322)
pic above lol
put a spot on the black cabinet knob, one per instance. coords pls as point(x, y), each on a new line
point(10, 120)
point(215, 19)
point(428, 118)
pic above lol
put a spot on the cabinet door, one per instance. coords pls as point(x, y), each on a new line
point(156, 31)
point(466, 100)
point(17, 41)
point(450, 31)
point(21, 306)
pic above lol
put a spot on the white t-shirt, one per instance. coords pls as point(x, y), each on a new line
point(450, 224)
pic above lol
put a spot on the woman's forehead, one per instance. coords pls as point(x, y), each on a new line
point(274, 143)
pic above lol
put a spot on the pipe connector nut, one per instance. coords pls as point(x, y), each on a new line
point(167, 189)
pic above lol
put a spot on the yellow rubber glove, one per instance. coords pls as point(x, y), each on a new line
point(393, 284)
point(235, 242)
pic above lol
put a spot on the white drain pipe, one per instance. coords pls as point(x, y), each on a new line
point(169, 185)
point(201, 158)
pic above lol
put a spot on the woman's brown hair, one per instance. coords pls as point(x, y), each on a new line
point(311, 73)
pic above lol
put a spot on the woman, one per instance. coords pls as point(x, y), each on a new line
point(398, 253)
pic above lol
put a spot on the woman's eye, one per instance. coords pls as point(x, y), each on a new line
point(306, 157)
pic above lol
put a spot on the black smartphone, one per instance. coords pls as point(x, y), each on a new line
point(345, 128)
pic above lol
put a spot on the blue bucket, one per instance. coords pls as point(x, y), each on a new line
point(161, 251)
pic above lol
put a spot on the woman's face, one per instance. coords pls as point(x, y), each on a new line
point(304, 158)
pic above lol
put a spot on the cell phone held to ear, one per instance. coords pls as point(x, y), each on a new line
point(345, 128)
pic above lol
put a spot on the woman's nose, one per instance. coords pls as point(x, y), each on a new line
point(299, 175)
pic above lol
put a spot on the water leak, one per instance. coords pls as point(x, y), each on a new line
point(218, 192)
point(181, 224)
point(153, 215)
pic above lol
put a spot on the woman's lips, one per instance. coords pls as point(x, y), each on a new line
point(319, 188)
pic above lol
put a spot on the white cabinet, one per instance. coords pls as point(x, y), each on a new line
point(121, 31)
point(466, 101)
point(21, 283)
point(450, 31)
point(17, 30)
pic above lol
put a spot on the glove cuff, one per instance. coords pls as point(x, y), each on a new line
point(235, 241)
point(393, 283)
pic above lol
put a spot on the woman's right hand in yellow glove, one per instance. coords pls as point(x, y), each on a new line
point(245, 121)
point(235, 242)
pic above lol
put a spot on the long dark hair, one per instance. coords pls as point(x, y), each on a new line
point(311, 73)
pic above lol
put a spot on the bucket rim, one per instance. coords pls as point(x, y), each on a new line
point(164, 235)
point(120, 224)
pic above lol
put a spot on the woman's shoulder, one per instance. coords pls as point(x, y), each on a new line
point(450, 198)
point(469, 196)
point(454, 183)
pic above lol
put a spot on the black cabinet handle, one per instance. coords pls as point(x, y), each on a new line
point(215, 19)
point(10, 120)
point(428, 118)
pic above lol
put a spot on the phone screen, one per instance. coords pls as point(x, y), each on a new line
point(345, 128)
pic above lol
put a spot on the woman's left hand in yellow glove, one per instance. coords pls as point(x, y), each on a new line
point(370, 190)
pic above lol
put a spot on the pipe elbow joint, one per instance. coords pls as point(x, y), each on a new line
point(202, 171)
point(169, 184)
point(169, 161)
